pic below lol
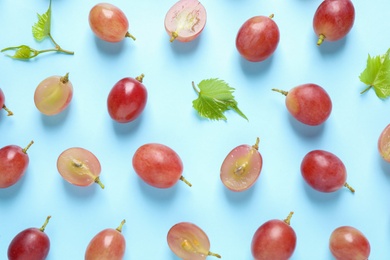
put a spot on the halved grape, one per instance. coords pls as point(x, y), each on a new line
point(384, 144)
point(190, 242)
point(53, 94)
point(185, 20)
point(348, 243)
point(241, 167)
point(79, 167)
point(2, 105)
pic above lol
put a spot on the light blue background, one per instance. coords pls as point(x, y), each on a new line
point(229, 219)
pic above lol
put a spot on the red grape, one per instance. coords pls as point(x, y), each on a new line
point(384, 143)
point(348, 243)
point(108, 244)
point(324, 171)
point(308, 103)
point(109, 23)
point(275, 239)
point(127, 99)
point(2, 105)
point(79, 167)
point(31, 244)
point(13, 164)
point(53, 94)
point(333, 20)
point(185, 20)
point(258, 38)
point(158, 165)
point(241, 167)
point(190, 242)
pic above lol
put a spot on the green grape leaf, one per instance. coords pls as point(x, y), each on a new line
point(215, 97)
point(22, 52)
point(377, 75)
point(41, 29)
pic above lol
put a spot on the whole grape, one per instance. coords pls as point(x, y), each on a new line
point(384, 143)
point(348, 243)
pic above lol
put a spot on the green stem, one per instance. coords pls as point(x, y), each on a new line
point(8, 111)
point(27, 147)
point(45, 224)
point(288, 219)
point(214, 254)
point(119, 229)
point(97, 180)
point(185, 181)
point(321, 39)
point(366, 89)
point(58, 47)
point(280, 91)
point(194, 87)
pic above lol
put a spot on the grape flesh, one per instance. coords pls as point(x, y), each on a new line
point(109, 23)
point(348, 243)
point(13, 164)
point(185, 20)
point(324, 171)
point(333, 20)
point(190, 242)
point(53, 95)
point(258, 38)
point(127, 99)
point(241, 167)
point(275, 239)
point(108, 244)
point(2, 105)
point(31, 244)
point(384, 144)
point(308, 103)
point(79, 167)
point(158, 165)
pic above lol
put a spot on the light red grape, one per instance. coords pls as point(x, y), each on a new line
point(241, 167)
point(108, 244)
point(53, 94)
point(333, 20)
point(308, 103)
point(190, 242)
point(31, 244)
point(324, 171)
point(13, 164)
point(348, 243)
point(384, 143)
point(109, 22)
point(275, 239)
point(185, 20)
point(79, 167)
point(158, 165)
point(258, 38)
point(127, 99)
point(2, 105)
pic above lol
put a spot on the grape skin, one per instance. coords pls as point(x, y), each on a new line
point(258, 38)
point(384, 143)
point(2, 105)
point(190, 242)
point(333, 20)
point(53, 95)
point(348, 243)
point(109, 23)
point(185, 20)
point(241, 167)
point(79, 167)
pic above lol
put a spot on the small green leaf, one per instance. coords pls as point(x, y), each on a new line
point(215, 97)
point(377, 75)
point(41, 29)
point(22, 52)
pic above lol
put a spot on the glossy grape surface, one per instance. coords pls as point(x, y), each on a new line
point(384, 143)
point(185, 20)
point(31, 244)
point(333, 20)
point(53, 95)
point(275, 239)
point(158, 165)
point(127, 99)
point(324, 171)
point(79, 167)
point(2, 103)
point(308, 103)
point(13, 164)
point(348, 243)
point(109, 23)
point(190, 242)
point(258, 38)
point(241, 167)
point(108, 244)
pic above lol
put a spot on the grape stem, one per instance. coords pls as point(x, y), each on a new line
point(97, 180)
point(58, 47)
point(288, 219)
point(280, 91)
point(321, 39)
point(28, 146)
point(8, 111)
point(130, 36)
point(65, 78)
point(185, 181)
point(119, 228)
point(214, 254)
point(349, 187)
point(45, 224)
point(174, 36)
point(140, 78)
point(256, 145)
